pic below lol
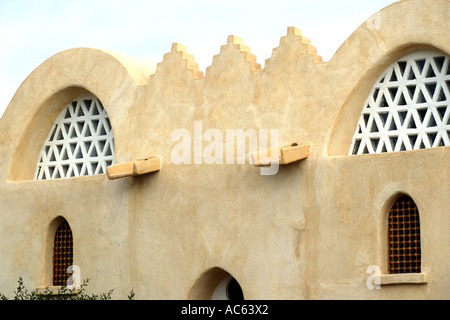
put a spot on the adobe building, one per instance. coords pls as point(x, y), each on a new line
point(95, 171)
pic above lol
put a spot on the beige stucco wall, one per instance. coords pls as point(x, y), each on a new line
point(308, 232)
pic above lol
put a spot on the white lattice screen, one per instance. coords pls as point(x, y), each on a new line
point(408, 108)
point(80, 142)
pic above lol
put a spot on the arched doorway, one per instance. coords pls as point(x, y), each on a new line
point(216, 284)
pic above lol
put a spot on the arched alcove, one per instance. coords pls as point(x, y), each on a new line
point(58, 233)
point(385, 202)
point(25, 157)
point(80, 141)
point(371, 49)
point(216, 284)
point(403, 232)
point(408, 106)
point(58, 81)
point(352, 112)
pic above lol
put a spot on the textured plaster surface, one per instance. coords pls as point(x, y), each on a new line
point(308, 232)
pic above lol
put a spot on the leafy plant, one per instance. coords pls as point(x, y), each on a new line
point(63, 293)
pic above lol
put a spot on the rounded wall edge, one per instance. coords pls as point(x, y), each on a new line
point(375, 45)
point(46, 91)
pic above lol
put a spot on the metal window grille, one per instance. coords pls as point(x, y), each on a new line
point(408, 107)
point(62, 254)
point(404, 237)
point(80, 142)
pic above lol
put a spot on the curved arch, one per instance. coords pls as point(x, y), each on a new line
point(49, 248)
point(371, 49)
point(407, 107)
point(67, 75)
point(80, 142)
point(213, 284)
point(382, 204)
point(404, 249)
point(62, 253)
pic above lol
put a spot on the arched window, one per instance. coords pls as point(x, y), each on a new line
point(62, 253)
point(404, 237)
point(408, 108)
point(80, 142)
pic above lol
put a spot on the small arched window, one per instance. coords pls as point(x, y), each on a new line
point(404, 237)
point(62, 253)
point(80, 142)
point(408, 108)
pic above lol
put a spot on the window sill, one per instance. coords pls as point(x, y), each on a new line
point(403, 278)
point(57, 290)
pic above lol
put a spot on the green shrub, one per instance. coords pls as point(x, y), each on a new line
point(63, 293)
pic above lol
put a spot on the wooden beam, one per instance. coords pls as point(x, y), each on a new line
point(282, 156)
point(133, 168)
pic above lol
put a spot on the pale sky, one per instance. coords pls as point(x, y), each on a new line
point(31, 31)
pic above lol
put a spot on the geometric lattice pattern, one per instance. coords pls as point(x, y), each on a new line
point(80, 142)
point(404, 237)
point(62, 254)
point(408, 108)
